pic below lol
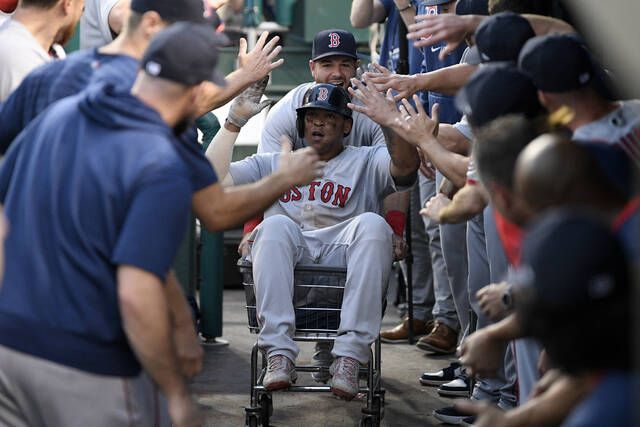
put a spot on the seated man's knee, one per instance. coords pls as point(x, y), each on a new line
point(276, 225)
point(373, 226)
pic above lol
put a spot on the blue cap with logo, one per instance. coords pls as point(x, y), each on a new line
point(332, 43)
point(557, 62)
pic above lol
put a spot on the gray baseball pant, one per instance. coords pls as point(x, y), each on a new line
point(363, 244)
point(527, 352)
point(482, 230)
point(453, 238)
point(422, 272)
point(35, 392)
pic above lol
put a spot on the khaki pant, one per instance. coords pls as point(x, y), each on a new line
point(35, 392)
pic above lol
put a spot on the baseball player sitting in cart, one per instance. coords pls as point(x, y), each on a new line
point(332, 221)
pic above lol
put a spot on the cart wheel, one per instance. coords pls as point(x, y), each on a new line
point(252, 417)
point(369, 421)
point(378, 403)
point(266, 408)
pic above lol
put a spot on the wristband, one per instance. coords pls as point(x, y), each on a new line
point(250, 225)
point(397, 221)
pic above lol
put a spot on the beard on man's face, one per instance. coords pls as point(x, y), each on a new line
point(184, 124)
point(65, 34)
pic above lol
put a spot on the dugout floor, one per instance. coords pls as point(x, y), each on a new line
point(222, 389)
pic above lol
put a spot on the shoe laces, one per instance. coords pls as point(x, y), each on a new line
point(348, 367)
point(277, 362)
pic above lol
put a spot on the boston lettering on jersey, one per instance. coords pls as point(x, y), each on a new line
point(328, 192)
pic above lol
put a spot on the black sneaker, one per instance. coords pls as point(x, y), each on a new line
point(459, 387)
point(444, 376)
point(450, 415)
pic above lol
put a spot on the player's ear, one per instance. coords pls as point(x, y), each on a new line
point(348, 124)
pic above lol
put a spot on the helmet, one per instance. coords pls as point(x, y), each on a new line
point(324, 96)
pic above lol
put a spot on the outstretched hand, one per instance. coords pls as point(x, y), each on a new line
point(299, 167)
point(414, 125)
point(261, 60)
point(379, 108)
point(383, 79)
point(248, 104)
point(430, 30)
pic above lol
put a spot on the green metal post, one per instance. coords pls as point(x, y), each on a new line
point(284, 12)
point(211, 258)
point(211, 267)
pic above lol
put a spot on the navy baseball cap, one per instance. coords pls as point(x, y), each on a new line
point(325, 96)
point(184, 53)
point(496, 90)
point(334, 42)
point(172, 10)
point(472, 7)
point(502, 36)
point(557, 62)
point(570, 260)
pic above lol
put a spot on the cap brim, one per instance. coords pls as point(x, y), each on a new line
point(473, 57)
point(319, 107)
point(335, 53)
point(461, 103)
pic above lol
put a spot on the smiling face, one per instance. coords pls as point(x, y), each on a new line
point(337, 70)
point(325, 131)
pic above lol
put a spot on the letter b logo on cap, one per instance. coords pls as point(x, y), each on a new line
point(323, 94)
point(334, 40)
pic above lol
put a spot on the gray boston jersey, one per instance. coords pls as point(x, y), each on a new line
point(282, 121)
point(620, 127)
point(354, 182)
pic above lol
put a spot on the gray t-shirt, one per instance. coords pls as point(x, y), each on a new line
point(282, 121)
point(621, 127)
point(354, 182)
point(94, 24)
point(20, 53)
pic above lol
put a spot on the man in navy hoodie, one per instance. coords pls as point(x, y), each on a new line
point(97, 196)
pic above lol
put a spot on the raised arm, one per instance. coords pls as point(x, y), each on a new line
point(253, 67)
point(447, 80)
point(367, 12)
point(382, 110)
point(453, 29)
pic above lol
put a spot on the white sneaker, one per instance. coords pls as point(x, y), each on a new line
point(457, 388)
point(281, 373)
point(344, 383)
point(322, 358)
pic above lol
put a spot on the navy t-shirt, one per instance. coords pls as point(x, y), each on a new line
point(448, 112)
point(390, 47)
point(59, 79)
point(92, 183)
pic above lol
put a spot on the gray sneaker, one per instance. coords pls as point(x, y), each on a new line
point(323, 359)
point(344, 381)
point(281, 373)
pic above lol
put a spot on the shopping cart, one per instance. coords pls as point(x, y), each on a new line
point(317, 301)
